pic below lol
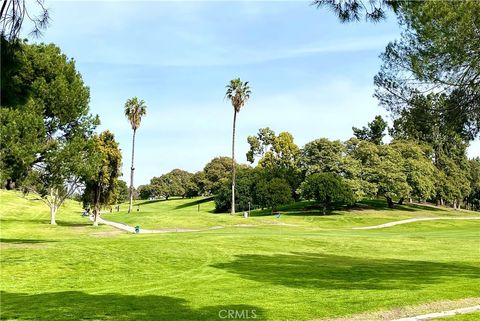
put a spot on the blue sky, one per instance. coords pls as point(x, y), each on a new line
point(309, 74)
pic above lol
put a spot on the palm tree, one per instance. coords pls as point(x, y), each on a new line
point(134, 110)
point(238, 93)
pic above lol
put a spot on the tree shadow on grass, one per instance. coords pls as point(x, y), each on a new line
point(148, 202)
point(73, 224)
point(381, 205)
point(311, 208)
point(327, 271)
point(24, 241)
point(39, 220)
point(193, 203)
point(75, 305)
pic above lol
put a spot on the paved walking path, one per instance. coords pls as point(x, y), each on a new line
point(432, 316)
point(131, 229)
point(411, 220)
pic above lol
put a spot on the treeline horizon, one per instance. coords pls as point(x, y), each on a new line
point(361, 167)
point(429, 82)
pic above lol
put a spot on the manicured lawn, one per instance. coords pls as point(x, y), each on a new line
point(199, 213)
point(319, 270)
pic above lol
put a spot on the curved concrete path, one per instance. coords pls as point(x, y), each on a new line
point(130, 229)
point(411, 220)
point(433, 316)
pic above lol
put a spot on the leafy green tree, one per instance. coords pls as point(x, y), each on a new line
point(374, 132)
point(22, 134)
point(279, 156)
point(146, 192)
point(389, 175)
point(277, 192)
point(326, 189)
point(134, 110)
point(121, 191)
point(376, 170)
point(198, 185)
point(244, 191)
point(175, 183)
point(218, 169)
point(437, 52)
point(453, 183)
point(260, 144)
point(237, 93)
point(360, 162)
point(424, 122)
point(473, 199)
point(418, 168)
point(15, 73)
point(53, 111)
point(323, 155)
point(101, 182)
point(61, 173)
point(254, 190)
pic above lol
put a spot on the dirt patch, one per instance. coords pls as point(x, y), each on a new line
point(409, 311)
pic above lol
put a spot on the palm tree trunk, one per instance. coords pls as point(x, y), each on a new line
point(233, 162)
point(132, 169)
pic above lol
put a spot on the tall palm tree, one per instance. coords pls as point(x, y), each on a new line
point(134, 110)
point(238, 93)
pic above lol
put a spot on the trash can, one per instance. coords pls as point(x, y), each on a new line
point(245, 214)
point(137, 229)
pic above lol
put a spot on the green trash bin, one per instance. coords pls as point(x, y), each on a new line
point(137, 229)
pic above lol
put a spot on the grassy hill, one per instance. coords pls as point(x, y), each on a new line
point(199, 213)
point(320, 270)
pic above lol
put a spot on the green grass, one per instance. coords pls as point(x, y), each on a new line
point(199, 213)
point(319, 270)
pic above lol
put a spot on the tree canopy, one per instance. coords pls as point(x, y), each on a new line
point(326, 189)
point(44, 103)
point(374, 132)
point(101, 183)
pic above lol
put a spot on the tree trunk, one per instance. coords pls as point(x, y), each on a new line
point(53, 214)
point(10, 184)
point(132, 169)
point(400, 201)
point(96, 206)
point(389, 202)
point(233, 162)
